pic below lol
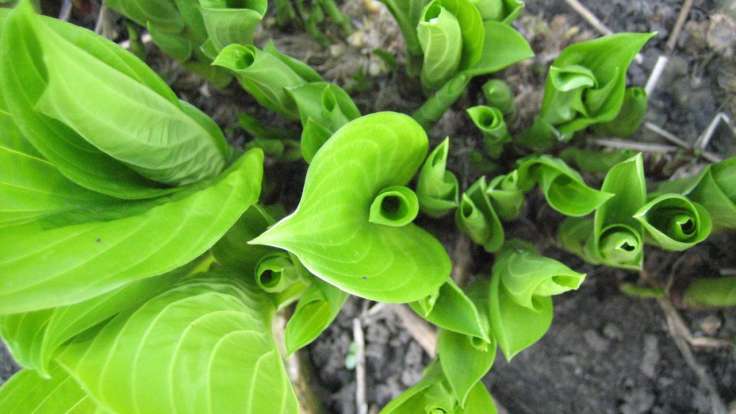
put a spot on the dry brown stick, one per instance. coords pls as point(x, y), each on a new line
point(681, 19)
point(462, 261)
point(589, 17)
point(679, 333)
point(360, 387)
point(420, 330)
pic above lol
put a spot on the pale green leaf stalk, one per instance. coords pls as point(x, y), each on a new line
point(629, 119)
point(563, 187)
point(711, 293)
point(316, 310)
point(522, 285)
point(437, 188)
point(29, 392)
point(441, 40)
point(266, 74)
point(476, 216)
point(714, 188)
point(331, 231)
point(616, 238)
point(436, 105)
point(490, 122)
point(204, 345)
point(498, 94)
point(586, 84)
point(408, 14)
point(673, 222)
point(452, 310)
point(154, 140)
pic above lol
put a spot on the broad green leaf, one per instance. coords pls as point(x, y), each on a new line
point(408, 13)
point(29, 392)
point(522, 284)
point(71, 153)
point(562, 186)
point(330, 231)
point(673, 222)
point(436, 105)
point(498, 94)
point(441, 39)
point(450, 309)
point(204, 346)
point(503, 46)
point(227, 23)
point(594, 161)
point(44, 266)
point(711, 292)
point(491, 123)
point(504, 11)
point(437, 188)
point(594, 75)
point(316, 310)
point(172, 44)
point(629, 119)
point(476, 216)
point(35, 337)
point(162, 13)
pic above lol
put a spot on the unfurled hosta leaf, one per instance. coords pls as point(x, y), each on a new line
point(673, 222)
point(562, 186)
point(522, 285)
point(29, 392)
point(498, 94)
point(323, 108)
point(228, 24)
point(204, 346)
point(266, 74)
point(711, 292)
point(503, 46)
point(450, 309)
point(500, 10)
point(491, 123)
point(156, 136)
point(616, 237)
point(714, 188)
point(330, 231)
point(632, 114)
point(56, 262)
point(594, 161)
point(477, 217)
point(587, 82)
point(35, 337)
point(441, 39)
point(437, 188)
point(315, 311)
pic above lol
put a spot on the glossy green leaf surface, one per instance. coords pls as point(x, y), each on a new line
point(330, 231)
point(233, 250)
point(48, 264)
point(503, 46)
point(673, 222)
point(203, 346)
point(491, 123)
point(440, 37)
point(316, 310)
point(500, 10)
point(498, 94)
point(476, 216)
point(28, 392)
point(505, 195)
point(632, 115)
point(452, 310)
point(227, 25)
point(522, 284)
point(711, 292)
point(437, 188)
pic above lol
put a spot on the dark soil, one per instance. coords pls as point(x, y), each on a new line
point(606, 352)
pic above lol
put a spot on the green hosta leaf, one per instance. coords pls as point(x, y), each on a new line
point(594, 161)
point(522, 284)
point(437, 188)
point(503, 46)
point(315, 311)
point(204, 346)
point(673, 222)
point(629, 119)
point(562, 186)
point(267, 75)
point(506, 196)
point(161, 13)
point(227, 24)
point(491, 123)
point(330, 231)
point(441, 39)
point(282, 276)
point(714, 188)
point(505, 11)
point(711, 292)
point(29, 392)
point(34, 338)
point(472, 30)
point(233, 251)
point(35, 41)
point(323, 109)
point(172, 44)
point(587, 82)
point(436, 105)
point(498, 94)
point(477, 217)
point(450, 309)
point(408, 13)
point(49, 264)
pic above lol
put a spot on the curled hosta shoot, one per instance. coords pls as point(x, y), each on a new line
point(563, 187)
point(333, 232)
point(226, 24)
point(441, 40)
point(522, 285)
point(276, 272)
point(711, 292)
point(450, 309)
point(505, 195)
point(394, 206)
point(498, 94)
point(491, 123)
point(315, 311)
point(673, 222)
point(266, 74)
point(629, 119)
point(477, 217)
point(437, 188)
point(714, 188)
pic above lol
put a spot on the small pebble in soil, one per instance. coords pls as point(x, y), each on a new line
point(651, 356)
point(710, 325)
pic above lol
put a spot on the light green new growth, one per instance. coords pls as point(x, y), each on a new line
point(673, 222)
point(491, 123)
point(437, 188)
